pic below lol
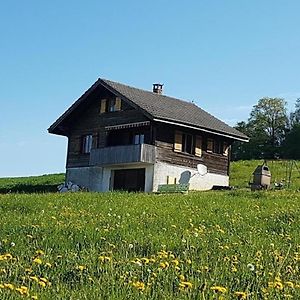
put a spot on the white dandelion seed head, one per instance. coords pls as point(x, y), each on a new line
point(251, 267)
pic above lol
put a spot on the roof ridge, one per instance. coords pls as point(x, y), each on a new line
point(147, 91)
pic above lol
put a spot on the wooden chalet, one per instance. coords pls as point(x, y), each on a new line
point(124, 138)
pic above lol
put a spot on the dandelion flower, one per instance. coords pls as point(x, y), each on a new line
point(37, 261)
point(241, 295)
point(251, 267)
point(219, 289)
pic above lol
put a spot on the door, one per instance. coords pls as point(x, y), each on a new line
point(131, 180)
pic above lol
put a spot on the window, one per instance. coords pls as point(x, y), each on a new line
point(138, 138)
point(210, 145)
point(87, 141)
point(188, 143)
point(217, 146)
point(110, 105)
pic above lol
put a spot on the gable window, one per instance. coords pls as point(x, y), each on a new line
point(110, 105)
point(87, 141)
point(188, 143)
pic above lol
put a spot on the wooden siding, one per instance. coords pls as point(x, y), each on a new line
point(91, 121)
point(143, 153)
point(164, 141)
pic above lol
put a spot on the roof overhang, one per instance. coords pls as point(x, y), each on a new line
point(203, 129)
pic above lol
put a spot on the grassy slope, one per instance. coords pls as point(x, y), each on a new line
point(241, 172)
point(32, 184)
point(106, 246)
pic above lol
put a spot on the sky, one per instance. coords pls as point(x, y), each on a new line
point(222, 54)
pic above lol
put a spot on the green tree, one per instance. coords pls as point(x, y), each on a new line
point(292, 143)
point(268, 121)
point(295, 116)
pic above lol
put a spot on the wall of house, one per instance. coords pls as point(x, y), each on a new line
point(216, 163)
point(189, 175)
point(87, 177)
point(90, 121)
point(99, 179)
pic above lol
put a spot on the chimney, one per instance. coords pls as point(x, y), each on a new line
point(158, 88)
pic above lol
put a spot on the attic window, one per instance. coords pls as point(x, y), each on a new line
point(110, 105)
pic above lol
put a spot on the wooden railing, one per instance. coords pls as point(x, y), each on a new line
point(122, 155)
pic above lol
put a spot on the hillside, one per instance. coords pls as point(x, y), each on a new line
point(209, 245)
point(241, 172)
point(31, 184)
point(240, 175)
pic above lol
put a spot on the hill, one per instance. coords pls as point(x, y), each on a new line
point(31, 184)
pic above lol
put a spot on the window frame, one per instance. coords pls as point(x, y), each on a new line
point(86, 143)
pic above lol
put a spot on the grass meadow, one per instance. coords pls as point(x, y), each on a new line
point(205, 245)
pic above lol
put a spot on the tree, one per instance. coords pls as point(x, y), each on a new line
point(268, 120)
point(295, 116)
point(292, 143)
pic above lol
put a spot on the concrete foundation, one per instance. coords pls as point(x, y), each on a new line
point(186, 175)
point(101, 179)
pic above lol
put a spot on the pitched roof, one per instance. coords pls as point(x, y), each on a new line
point(164, 109)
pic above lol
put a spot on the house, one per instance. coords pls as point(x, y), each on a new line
point(121, 137)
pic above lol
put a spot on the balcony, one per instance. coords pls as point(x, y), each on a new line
point(142, 153)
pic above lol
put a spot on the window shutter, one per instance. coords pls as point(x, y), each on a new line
point(178, 141)
point(225, 149)
point(118, 104)
point(103, 106)
point(198, 146)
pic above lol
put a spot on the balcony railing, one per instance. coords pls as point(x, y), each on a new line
point(116, 155)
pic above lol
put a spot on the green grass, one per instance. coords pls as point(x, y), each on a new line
point(31, 184)
point(146, 246)
point(241, 172)
point(143, 246)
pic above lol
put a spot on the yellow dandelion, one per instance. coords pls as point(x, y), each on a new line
point(219, 289)
point(42, 283)
point(35, 297)
point(241, 295)
point(164, 265)
point(37, 261)
point(9, 286)
point(175, 262)
point(1, 286)
point(183, 285)
point(81, 268)
point(139, 285)
point(39, 252)
point(289, 284)
point(34, 278)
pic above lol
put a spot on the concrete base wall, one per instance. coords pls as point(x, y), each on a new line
point(186, 175)
point(88, 177)
point(99, 179)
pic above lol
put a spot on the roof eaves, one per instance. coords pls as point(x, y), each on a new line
point(238, 138)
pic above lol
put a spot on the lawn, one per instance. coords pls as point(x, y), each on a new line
point(209, 245)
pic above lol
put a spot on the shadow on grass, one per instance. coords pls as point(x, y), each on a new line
point(29, 188)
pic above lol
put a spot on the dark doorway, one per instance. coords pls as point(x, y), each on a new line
point(131, 180)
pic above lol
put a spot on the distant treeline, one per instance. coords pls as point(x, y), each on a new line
point(272, 131)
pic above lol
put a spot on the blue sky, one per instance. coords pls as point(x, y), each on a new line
point(224, 55)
